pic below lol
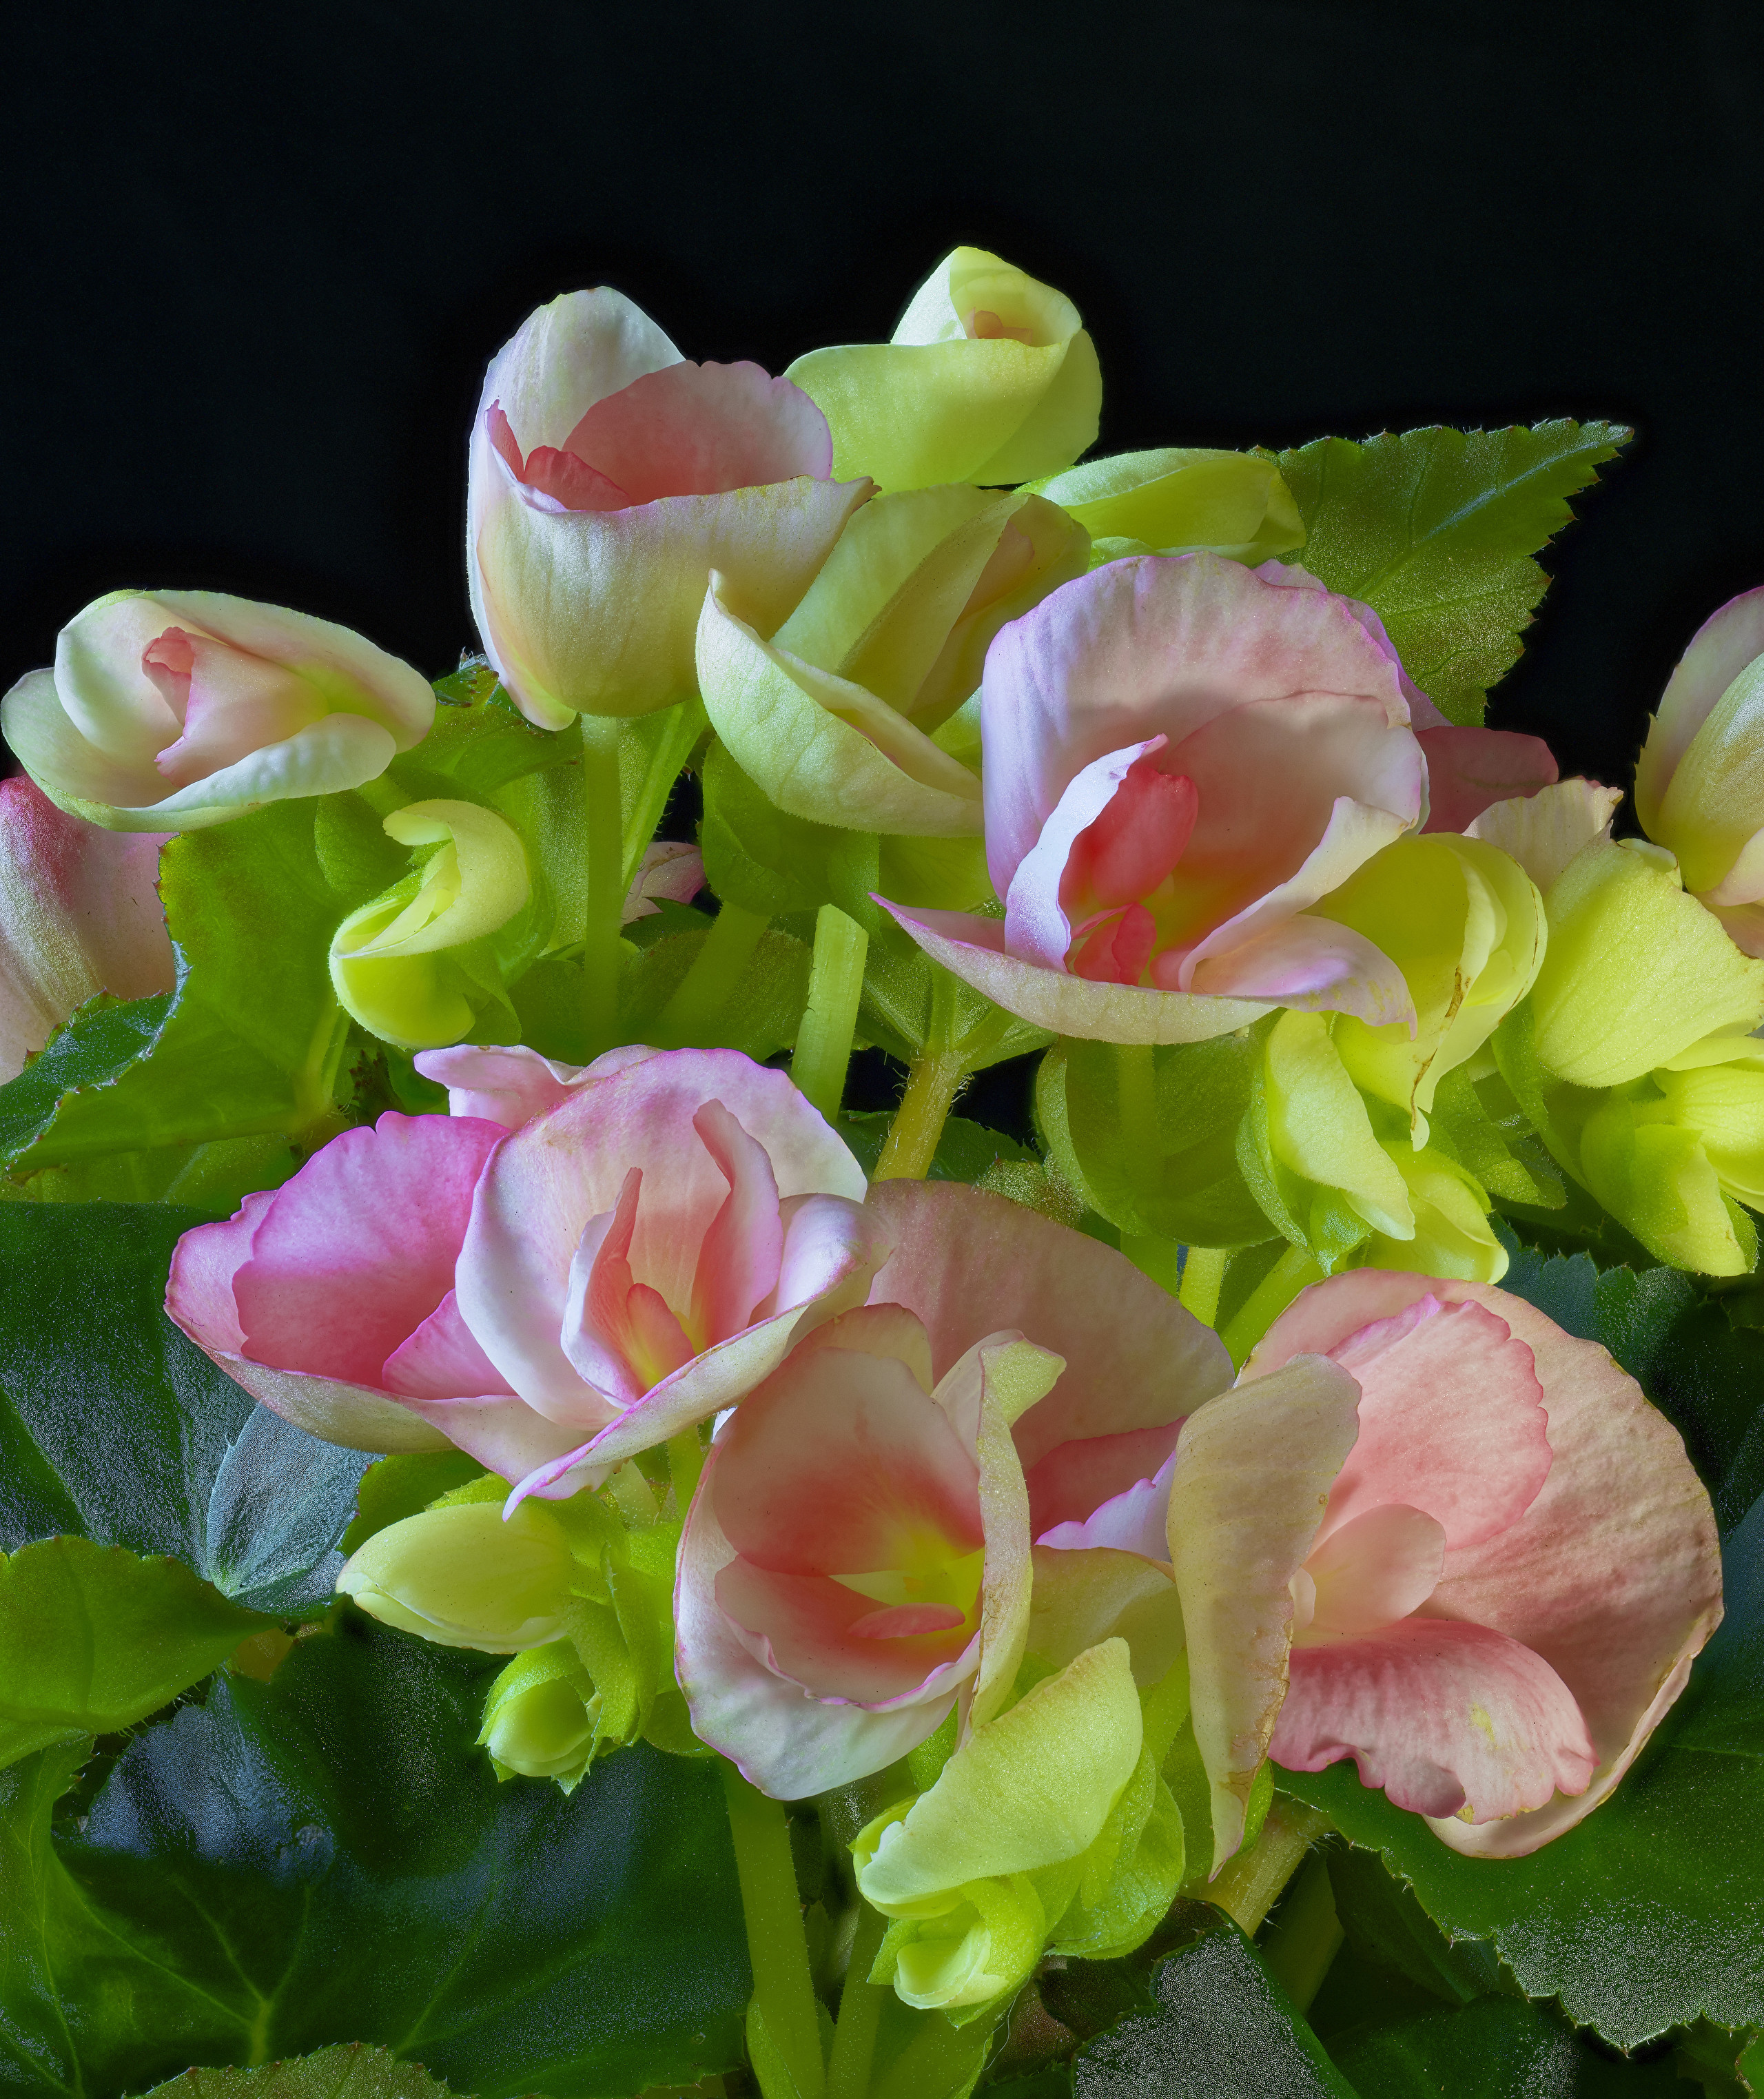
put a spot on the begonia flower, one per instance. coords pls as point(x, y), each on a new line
point(1429, 1530)
point(1179, 501)
point(979, 1871)
point(989, 378)
point(637, 1243)
point(1700, 779)
point(835, 716)
point(79, 913)
point(609, 477)
point(540, 1716)
point(170, 710)
point(1180, 757)
point(856, 1559)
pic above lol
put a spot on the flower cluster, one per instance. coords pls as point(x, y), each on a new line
point(1050, 1521)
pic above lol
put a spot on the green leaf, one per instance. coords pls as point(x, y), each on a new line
point(327, 1857)
point(1434, 529)
point(253, 1042)
point(93, 1638)
point(1703, 1372)
point(757, 857)
point(350, 2071)
point(115, 1427)
point(1493, 2049)
point(965, 1151)
point(1221, 2025)
point(97, 1046)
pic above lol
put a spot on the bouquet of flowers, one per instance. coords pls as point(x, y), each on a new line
point(552, 1551)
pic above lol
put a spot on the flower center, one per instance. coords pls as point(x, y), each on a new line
point(1118, 890)
point(931, 1588)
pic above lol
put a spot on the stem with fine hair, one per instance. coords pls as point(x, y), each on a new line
point(860, 2005)
point(685, 1462)
point(933, 1081)
point(777, 1948)
point(835, 986)
point(603, 809)
point(1251, 1882)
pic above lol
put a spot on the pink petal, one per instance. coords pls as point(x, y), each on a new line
point(1469, 770)
point(606, 1333)
point(1135, 1520)
point(442, 1361)
point(504, 1434)
point(1037, 924)
point(1151, 646)
point(1612, 1574)
point(968, 1264)
point(670, 869)
point(79, 913)
point(836, 1463)
point(1372, 1570)
point(1442, 1716)
point(352, 1415)
point(230, 703)
point(1074, 1480)
point(356, 1251)
point(741, 1253)
point(571, 483)
point(699, 430)
point(809, 1630)
point(560, 1171)
point(510, 1084)
point(1452, 1421)
point(199, 1290)
point(1312, 964)
point(1138, 840)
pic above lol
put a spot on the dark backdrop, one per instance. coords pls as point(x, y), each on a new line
point(259, 258)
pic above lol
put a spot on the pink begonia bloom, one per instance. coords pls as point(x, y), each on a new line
point(1183, 755)
point(608, 477)
point(967, 1263)
point(170, 710)
point(670, 872)
point(635, 1243)
point(1488, 1556)
point(856, 1559)
point(1700, 779)
point(79, 913)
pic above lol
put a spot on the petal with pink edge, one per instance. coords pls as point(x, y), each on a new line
point(1445, 1717)
point(1719, 651)
point(1452, 1421)
point(442, 1361)
point(1136, 1519)
point(1077, 1481)
point(1469, 770)
point(358, 1249)
point(968, 1263)
point(1544, 831)
point(1252, 1474)
point(354, 1416)
point(698, 430)
point(1612, 1574)
point(973, 948)
point(510, 1084)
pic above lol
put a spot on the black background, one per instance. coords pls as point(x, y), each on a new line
point(258, 258)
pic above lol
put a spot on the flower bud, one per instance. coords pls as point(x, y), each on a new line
point(169, 710)
point(462, 1576)
point(1179, 501)
point(989, 379)
point(1699, 781)
point(541, 1716)
point(835, 716)
point(400, 965)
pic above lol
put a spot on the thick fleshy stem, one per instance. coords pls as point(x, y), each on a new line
point(932, 1084)
point(777, 1948)
point(1203, 1278)
point(685, 1460)
point(860, 2006)
point(1307, 1935)
point(691, 1015)
point(1251, 1882)
point(835, 987)
point(603, 809)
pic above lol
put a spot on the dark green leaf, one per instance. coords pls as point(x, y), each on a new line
point(1494, 2048)
point(326, 1856)
point(93, 1638)
point(113, 1426)
point(1434, 529)
point(351, 2072)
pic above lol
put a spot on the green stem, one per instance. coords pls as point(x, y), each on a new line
point(1268, 1301)
point(1203, 1278)
point(603, 810)
point(784, 1992)
point(1306, 1936)
point(1248, 1887)
point(685, 1461)
point(835, 986)
point(933, 1082)
point(691, 1015)
point(860, 2005)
